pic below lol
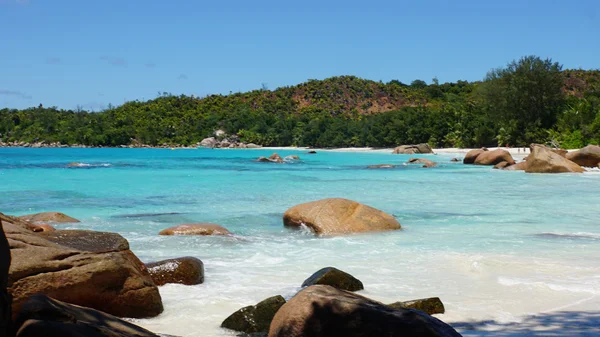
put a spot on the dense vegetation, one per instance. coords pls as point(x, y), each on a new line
point(529, 100)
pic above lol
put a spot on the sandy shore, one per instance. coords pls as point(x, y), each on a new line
point(449, 151)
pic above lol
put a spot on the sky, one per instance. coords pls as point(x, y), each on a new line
point(91, 53)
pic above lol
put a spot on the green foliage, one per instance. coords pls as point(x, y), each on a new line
point(531, 100)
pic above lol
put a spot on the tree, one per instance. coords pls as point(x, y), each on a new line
point(524, 96)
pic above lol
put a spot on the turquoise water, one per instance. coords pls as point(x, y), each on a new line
point(491, 244)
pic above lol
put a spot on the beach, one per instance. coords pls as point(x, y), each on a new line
point(495, 246)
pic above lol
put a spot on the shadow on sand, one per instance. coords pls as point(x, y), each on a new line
point(562, 323)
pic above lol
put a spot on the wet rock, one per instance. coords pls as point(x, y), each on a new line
point(494, 157)
point(501, 165)
point(413, 149)
point(254, 318)
point(55, 217)
point(589, 156)
point(312, 152)
point(274, 158)
point(454, 160)
point(42, 228)
point(339, 216)
point(472, 155)
point(431, 306)
point(542, 160)
point(381, 166)
point(290, 158)
point(426, 162)
point(521, 166)
point(323, 311)
point(44, 316)
point(336, 278)
point(195, 229)
point(184, 270)
point(93, 269)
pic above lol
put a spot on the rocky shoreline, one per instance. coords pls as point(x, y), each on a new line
point(74, 283)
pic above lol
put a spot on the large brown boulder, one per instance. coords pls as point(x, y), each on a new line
point(336, 278)
point(323, 311)
point(589, 156)
point(56, 217)
point(196, 229)
point(472, 155)
point(542, 160)
point(92, 269)
point(339, 216)
point(184, 270)
point(494, 157)
point(501, 165)
point(44, 316)
point(430, 306)
point(5, 300)
point(413, 149)
point(254, 318)
point(426, 162)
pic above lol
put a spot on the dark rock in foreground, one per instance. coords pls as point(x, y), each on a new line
point(44, 316)
point(323, 311)
point(430, 306)
point(339, 216)
point(254, 318)
point(5, 298)
point(336, 278)
point(184, 270)
point(92, 269)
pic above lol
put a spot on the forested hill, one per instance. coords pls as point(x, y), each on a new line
point(530, 100)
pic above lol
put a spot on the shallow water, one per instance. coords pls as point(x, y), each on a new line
point(492, 244)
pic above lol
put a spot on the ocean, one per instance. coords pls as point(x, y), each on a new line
point(493, 245)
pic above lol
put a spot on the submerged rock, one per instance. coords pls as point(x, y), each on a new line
point(339, 216)
point(472, 155)
point(381, 166)
point(56, 217)
point(542, 160)
point(336, 278)
point(426, 162)
point(494, 157)
point(312, 152)
point(254, 318)
point(431, 306)
point(274, 158)
point(196, 229)
point(454, 160)
point(413, 149)
point(589, 156)
point(93, 269)
point(291, 157)
point(44, 316)
point(184, 270)
point(323, 311)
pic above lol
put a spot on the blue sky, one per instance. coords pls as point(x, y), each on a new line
point(91, 53)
